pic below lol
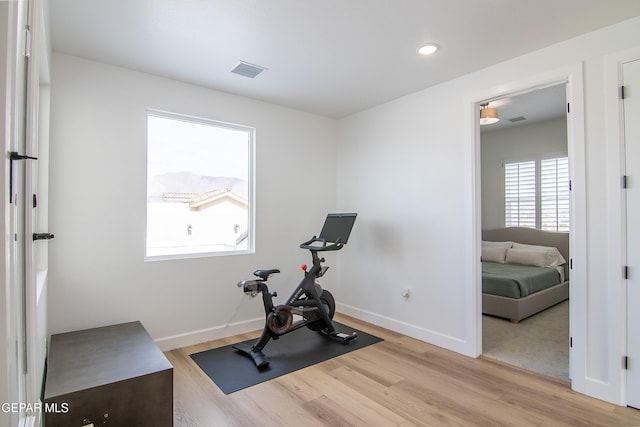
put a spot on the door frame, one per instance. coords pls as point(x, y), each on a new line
point(572, 76)
point(13, 313)
point(37, 119)
point(614, 132)
point(24, 309)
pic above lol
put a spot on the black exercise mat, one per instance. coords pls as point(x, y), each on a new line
point(233, 371)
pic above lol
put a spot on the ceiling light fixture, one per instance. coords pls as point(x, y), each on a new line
point(428, 49)
point(488, 116)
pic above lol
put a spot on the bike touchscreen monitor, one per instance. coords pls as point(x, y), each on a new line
point(337, 227)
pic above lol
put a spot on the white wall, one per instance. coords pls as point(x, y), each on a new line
point(404, 167)
point(524, 142)
point(98, 196)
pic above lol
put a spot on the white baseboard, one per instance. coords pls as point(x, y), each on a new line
point(209, 334)
point(432, 337)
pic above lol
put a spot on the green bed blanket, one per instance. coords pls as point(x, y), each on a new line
point(516, 280)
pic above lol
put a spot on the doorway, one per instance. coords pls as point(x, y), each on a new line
point(572, 77)
point(530, 138)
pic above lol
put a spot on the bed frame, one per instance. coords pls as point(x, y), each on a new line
point(516, 309)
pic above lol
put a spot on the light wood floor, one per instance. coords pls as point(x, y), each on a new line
point(398, 382)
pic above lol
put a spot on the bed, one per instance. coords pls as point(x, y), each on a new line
point(508, 288)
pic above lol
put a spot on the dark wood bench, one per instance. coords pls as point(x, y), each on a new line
point(113, 375)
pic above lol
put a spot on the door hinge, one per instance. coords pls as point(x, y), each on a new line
point(570, 342)
point(625, 362)
point(570, 263)
point(568, 107)
point(27, 41)
point(622, 92)
point(625, 272)
point(570, 185)
point(625, 181)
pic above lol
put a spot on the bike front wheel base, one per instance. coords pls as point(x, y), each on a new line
point(259, 358)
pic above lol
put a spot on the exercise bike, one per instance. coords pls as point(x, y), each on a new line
point(314, 305)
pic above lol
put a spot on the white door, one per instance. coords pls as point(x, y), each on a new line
point(26, 305)
point(631, 103)
point(16, 317)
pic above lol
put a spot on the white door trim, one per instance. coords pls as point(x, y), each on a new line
point(572, 75)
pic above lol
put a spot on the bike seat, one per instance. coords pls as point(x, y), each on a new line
point(264, 274)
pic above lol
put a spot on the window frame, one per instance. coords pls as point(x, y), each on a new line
point(251, 196)
point(538, 200)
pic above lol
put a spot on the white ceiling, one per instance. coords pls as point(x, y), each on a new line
point(330, 57)
point(535, 106)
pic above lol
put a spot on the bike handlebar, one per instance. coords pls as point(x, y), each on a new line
point(330, 247)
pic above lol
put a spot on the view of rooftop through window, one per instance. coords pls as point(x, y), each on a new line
point(198, 186)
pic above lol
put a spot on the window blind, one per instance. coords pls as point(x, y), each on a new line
point(554, 194)
point(520, 194)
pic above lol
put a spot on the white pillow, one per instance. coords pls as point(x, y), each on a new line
point(537, 257)
point(554, 259)
point(488, 244)
point(494, 253)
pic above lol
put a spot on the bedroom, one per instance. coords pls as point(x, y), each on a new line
point(420, 143)
point(531, 127)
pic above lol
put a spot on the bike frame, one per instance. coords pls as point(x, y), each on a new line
point(304, 301)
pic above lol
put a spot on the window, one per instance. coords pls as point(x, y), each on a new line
point(554, 194)
point(536, 194)
point(199, 187)
point(520, 194)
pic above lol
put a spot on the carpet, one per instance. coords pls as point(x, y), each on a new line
point(232, 371)
point(539, 343)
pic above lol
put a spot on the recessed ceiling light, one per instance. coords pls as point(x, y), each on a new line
point(428, 49)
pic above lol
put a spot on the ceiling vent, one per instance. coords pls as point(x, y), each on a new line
point(248, 70)
point(517, 119)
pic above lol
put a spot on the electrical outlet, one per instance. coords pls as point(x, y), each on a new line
point(406, 293)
